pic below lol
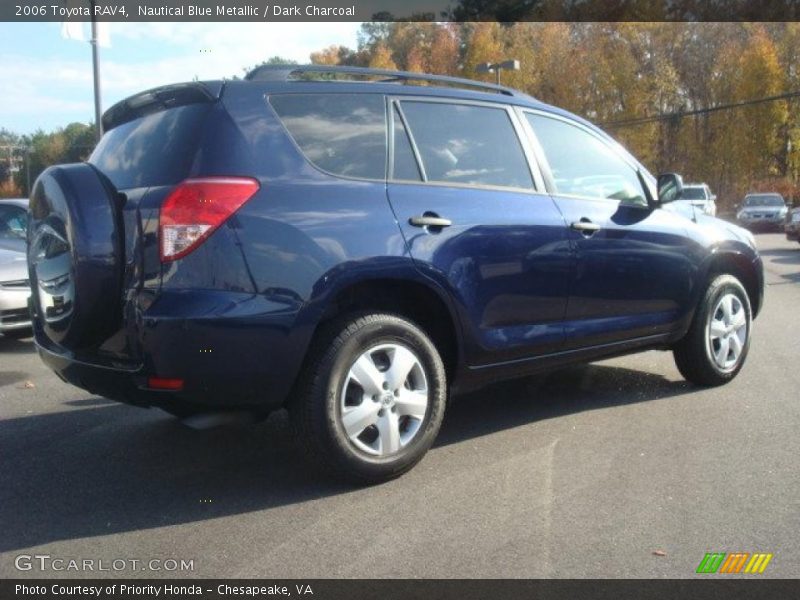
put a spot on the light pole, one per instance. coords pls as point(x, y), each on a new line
point(508, 65)
point(98, 111)
point(28, 152)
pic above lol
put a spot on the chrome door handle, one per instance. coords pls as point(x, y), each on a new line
point(429, 221)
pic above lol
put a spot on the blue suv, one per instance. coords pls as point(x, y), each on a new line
point(355, 248)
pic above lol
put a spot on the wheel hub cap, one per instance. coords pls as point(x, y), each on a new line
point(384, 399)
point(727, 332)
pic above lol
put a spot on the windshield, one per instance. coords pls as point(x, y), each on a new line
point(763, 200)
point(693, 193)
point(13, 222)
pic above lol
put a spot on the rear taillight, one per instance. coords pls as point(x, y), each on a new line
point(196, 208)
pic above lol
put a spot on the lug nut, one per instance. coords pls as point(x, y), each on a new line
point(375, 398)
point(386, 385)
point(397, 393)
point(380, 412)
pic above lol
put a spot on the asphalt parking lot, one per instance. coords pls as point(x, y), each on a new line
point(615, 469)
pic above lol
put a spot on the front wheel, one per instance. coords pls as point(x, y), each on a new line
point(372, 398)
point(714, 350)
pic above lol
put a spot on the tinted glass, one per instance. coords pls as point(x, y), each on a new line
point(344, 134)
point(405, 164)
point(467, 144)
point(13, 222)
point(583, 165)
point(158, 149)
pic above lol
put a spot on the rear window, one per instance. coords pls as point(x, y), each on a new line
point(343, 134)
point(158, 149)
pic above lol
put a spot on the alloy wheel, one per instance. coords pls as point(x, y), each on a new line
point(727, 332)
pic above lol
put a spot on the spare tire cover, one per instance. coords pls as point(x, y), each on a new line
point(75, 255)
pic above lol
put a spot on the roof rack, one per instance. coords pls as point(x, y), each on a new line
point(284, 73)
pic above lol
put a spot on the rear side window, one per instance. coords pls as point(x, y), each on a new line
point(158, 149)
point(343, 134)
point(467, 144)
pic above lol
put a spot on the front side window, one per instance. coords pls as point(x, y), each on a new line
point(466, 144)
point(584, 165)
point(344, 134)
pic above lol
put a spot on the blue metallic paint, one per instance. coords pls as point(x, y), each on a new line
point(235, 318)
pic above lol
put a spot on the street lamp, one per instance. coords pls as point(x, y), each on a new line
point(508, 65)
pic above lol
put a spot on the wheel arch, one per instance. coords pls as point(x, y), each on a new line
point(744, 269)
point(410, 298)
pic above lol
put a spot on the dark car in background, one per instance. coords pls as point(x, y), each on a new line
point(792, 226)
point(765, 211)
point(358, 251)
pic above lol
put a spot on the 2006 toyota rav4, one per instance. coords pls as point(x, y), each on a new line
point(356, 250)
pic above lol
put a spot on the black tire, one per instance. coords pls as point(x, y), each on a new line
point(694, 354)
point(319, 400)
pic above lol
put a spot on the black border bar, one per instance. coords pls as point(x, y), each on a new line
point(714, 587)
point(392, 10)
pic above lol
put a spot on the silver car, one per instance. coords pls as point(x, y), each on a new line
point(763, 211)
point(14, 285)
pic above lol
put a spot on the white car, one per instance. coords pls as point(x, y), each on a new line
point(698, 197)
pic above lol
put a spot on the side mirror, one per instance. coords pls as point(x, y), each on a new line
point(670, 187)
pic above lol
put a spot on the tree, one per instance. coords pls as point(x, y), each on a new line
point(73, 143)
point(382, 58)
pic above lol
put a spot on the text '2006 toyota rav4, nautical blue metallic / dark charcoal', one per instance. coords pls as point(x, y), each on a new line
point(356, 249)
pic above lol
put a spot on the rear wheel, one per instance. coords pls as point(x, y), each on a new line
point(714, 350)
point(372, 398)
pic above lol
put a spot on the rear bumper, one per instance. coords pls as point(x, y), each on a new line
point(761, 222)
point(792, 231)
point(230, 350)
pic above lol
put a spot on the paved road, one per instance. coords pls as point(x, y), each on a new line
point(583, 473)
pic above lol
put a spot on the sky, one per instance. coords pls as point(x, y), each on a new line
point(47, 80)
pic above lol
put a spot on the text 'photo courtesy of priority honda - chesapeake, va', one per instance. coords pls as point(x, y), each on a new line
point(399, 300)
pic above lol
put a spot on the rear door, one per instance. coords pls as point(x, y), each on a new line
point(477, 220)
point(634, 274)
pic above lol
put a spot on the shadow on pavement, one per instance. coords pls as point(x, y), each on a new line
point(567, 391)
point(16, 346)
point(102, 469)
